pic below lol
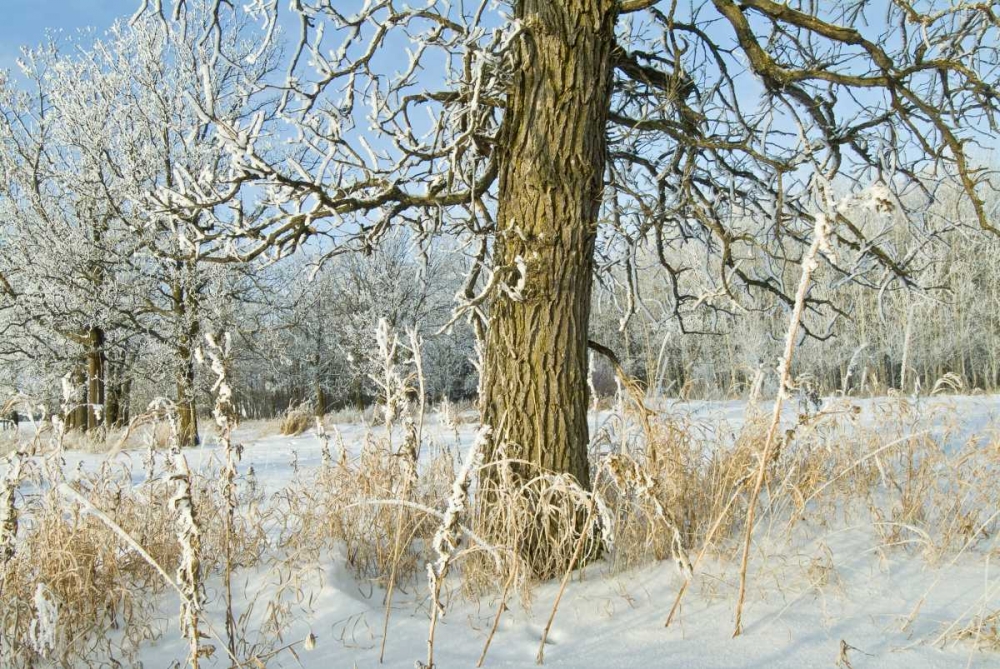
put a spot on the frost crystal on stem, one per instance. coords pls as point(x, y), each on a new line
point(449, 534)
point(189, 576)
point(44, 628)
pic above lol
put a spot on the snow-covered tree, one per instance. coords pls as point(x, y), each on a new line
point(573, 132)
point(91, 141)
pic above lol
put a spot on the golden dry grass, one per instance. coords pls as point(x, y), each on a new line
point(676, 493)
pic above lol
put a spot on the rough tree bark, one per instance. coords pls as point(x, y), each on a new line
point(551, 181)
point(187, 414)
point(117, 390)
point(185, 306)
point(96, 378)
point(112, 392)
point(76, 419)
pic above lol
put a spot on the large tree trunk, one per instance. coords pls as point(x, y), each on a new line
point(96, 378)
point(117, 391)
point(551, 182)
point(185, 309)
point(187, 413)
point(76, 419)
point(112, 393)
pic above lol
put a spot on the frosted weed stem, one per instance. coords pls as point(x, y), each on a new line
point(810, 262)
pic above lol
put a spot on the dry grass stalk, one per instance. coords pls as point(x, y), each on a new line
point(44, 630)
point(9, 523)
point(394, 386)
point(87, 507)
point(577, 552)
point(810, 263)
point(533, 517)
point(189, 571)
point(983, 631)
point(8, 510)
point(630, 476)
point(448, 537)
point(501, 609)
point(326, 458)
point(408, 459)
point(296, 419)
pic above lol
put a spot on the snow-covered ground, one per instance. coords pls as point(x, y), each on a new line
point(274, 456)
point(616, 622)
point(826, 598)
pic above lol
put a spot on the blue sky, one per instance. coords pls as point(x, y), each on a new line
point(24, 22)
